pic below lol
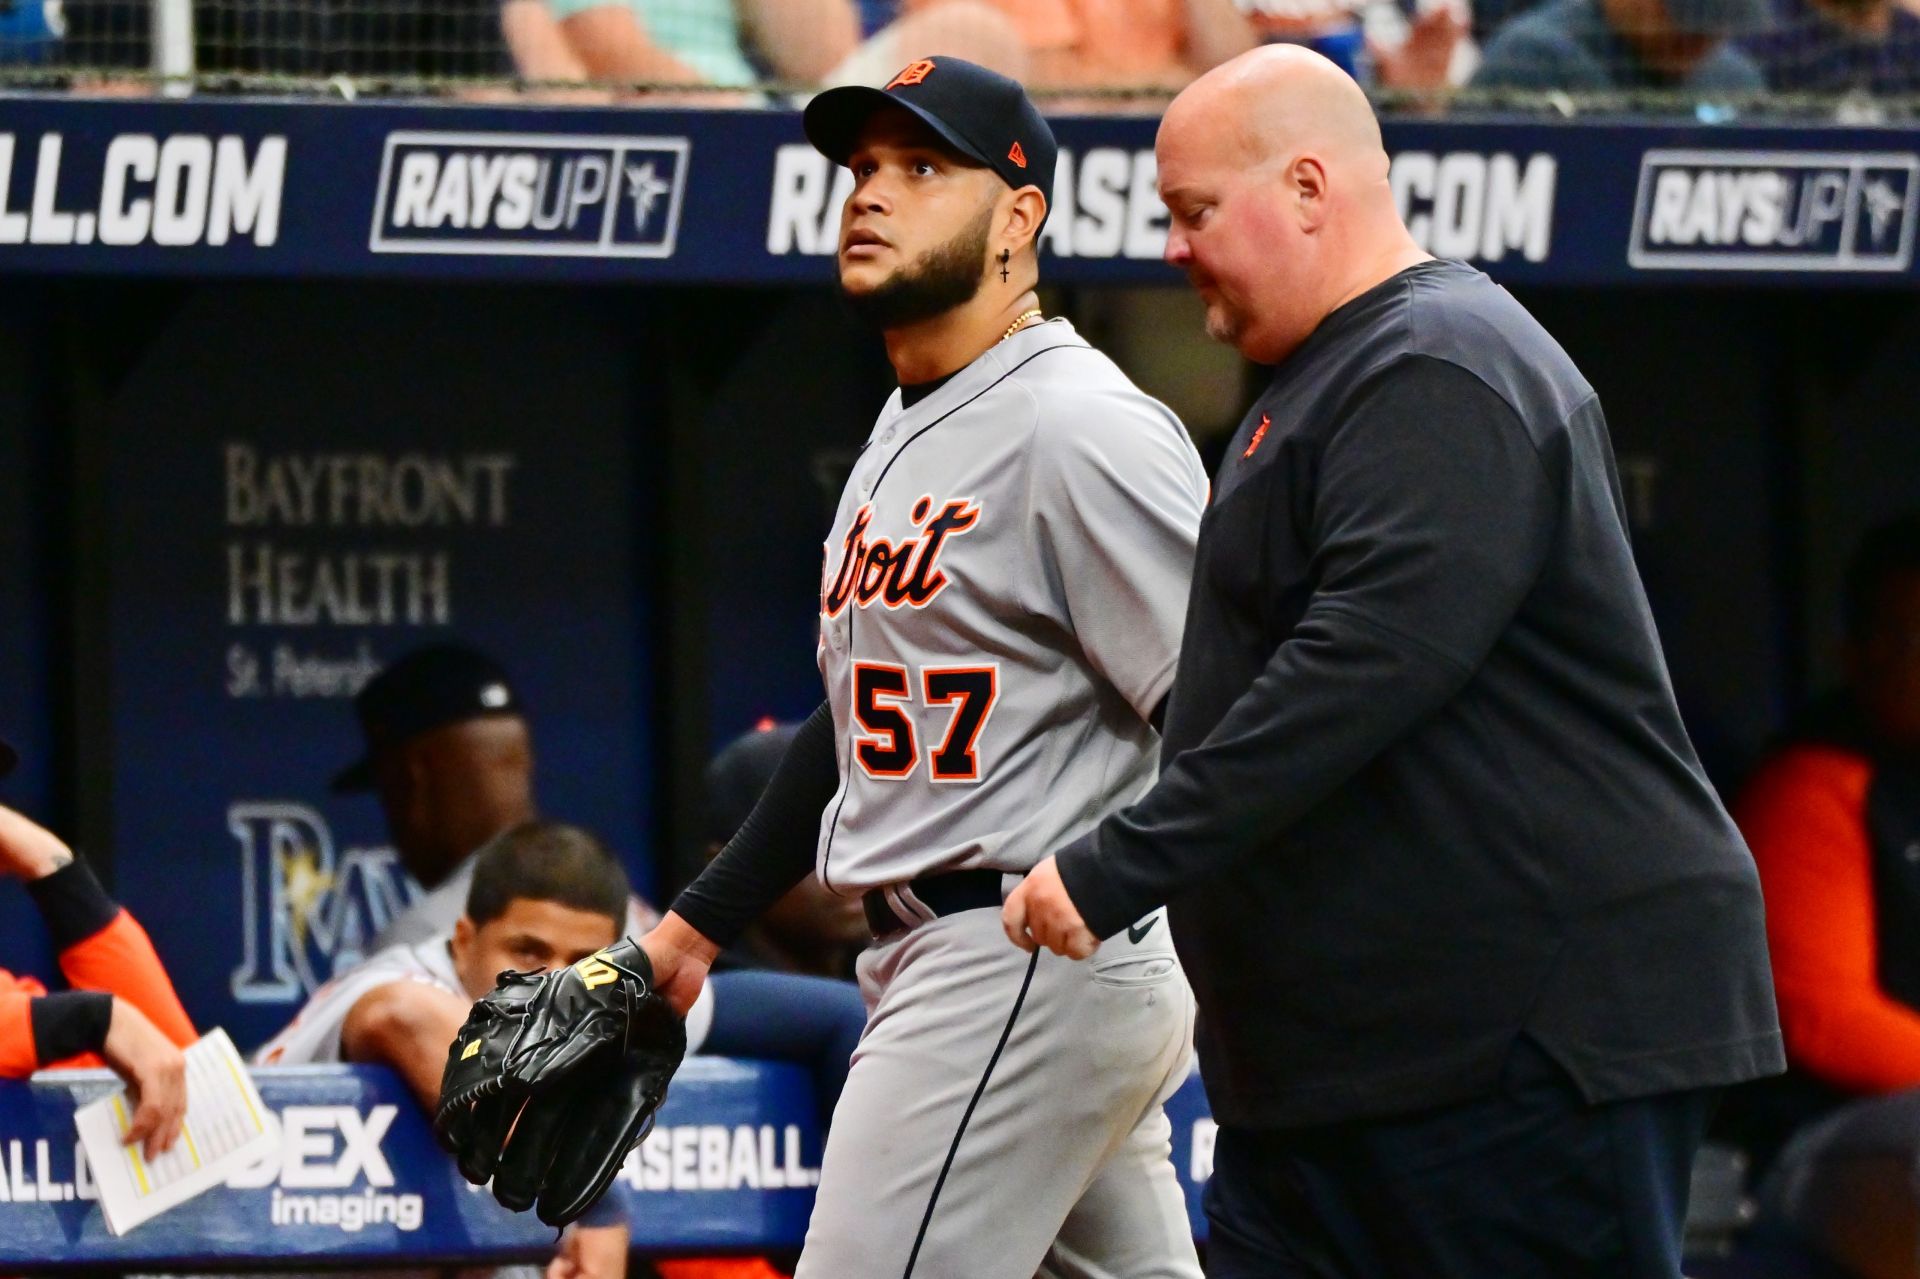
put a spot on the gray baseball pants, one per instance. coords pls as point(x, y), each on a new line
point(1003, 1117)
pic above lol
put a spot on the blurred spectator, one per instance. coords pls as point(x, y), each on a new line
point(1490, 15)
point(1331, 28)
point(122, 1007)
point(655, 41)
point(1625, 44)
point(970, 29)
point(810, 930)
point(541, 896)
point(1121, 44)
point(739, 43)
point(1428, 50)
point(1833, 817)
point(1833, 46)
point(1377, 42)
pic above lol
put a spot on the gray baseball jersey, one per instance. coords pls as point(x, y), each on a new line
point(1000, 610)
point(314, 1033)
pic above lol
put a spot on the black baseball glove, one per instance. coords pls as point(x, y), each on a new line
point(555, 1077)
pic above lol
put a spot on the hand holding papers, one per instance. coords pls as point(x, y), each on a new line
point(226, 1128)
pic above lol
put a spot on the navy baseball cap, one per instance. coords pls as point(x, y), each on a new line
point(425, 689)
point(980, 113)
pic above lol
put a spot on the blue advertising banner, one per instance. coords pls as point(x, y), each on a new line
point(730, 1165)
point(299, 486)
point(230, 187)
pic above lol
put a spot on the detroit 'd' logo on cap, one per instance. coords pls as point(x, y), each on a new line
point(914, 74)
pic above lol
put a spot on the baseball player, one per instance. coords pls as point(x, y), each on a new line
point(540, 895)
point(1000, 611)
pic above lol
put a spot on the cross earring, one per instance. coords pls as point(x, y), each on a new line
point(1005, 256)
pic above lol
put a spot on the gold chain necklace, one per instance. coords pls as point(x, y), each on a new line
point(1020, 322)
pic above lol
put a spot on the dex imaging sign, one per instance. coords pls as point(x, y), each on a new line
point(1775, 211)
point(539, 195)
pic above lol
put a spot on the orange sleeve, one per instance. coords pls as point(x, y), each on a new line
point(1804, 816)
point(120, 960)
point(18, 1055)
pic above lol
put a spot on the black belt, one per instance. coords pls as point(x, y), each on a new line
point(943, 893)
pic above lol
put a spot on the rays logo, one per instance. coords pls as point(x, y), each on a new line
point(535, 195)
point(308, 911)
point(1775, 211)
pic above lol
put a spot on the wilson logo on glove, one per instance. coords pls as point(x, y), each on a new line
point(596, 972)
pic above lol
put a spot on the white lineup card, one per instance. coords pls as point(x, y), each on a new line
point(226, 1128)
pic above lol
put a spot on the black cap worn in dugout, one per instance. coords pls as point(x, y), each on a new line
point(980, 113)
point(423, 690)
point(740, 772)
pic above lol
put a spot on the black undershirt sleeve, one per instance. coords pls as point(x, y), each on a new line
point(774, 848)
point(69, 1023)
point(72, 903)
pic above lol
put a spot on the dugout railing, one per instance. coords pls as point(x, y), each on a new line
point(358, 1182)
point(730, 1166)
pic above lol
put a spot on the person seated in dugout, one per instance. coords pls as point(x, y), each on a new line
point(450, 753)
point(541, 896)
point(1833, 818)
point(121, 1011)
point(811, 931)
point(785, 987)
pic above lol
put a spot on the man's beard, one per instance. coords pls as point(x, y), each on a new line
point(1223, 325)
point(1223, 321)
point(932, 284)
